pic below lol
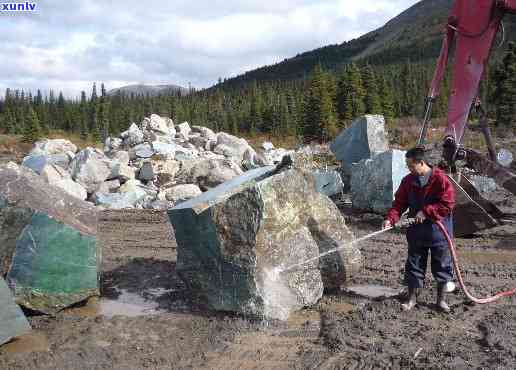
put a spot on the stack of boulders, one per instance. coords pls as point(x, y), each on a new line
point(371, 171)
point(155, 164)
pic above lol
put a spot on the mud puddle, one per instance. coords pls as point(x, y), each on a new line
point(32, 342)
point(125, 304)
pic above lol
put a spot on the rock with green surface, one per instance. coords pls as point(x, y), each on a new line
point(48, 245)
point(234, 240)
point(12, 320)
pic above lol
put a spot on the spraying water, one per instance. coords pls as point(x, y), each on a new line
point(277, 271)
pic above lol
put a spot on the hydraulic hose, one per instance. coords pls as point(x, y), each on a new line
point(459, 274)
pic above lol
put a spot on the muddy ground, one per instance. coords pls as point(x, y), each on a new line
point(166, 330)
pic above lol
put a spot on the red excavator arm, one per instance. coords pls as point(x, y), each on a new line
point(473, 25)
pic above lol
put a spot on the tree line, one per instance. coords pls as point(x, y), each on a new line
point(314, 107)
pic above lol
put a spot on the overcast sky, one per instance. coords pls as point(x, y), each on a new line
point(66, 45)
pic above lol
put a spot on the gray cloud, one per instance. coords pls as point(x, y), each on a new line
point(69, 44)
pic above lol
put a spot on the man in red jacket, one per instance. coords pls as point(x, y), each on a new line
point(429, 196)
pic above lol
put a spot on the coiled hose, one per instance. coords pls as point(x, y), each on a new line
point(459, 274)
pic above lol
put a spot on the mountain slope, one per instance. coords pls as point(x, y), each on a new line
point(151, 90)
point(415, 34)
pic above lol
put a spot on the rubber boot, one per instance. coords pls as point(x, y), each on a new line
point(411, 299)
point(441, 303)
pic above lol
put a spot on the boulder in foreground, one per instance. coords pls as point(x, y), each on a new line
point(48, 244)
point(12, 320)
point(234, 239)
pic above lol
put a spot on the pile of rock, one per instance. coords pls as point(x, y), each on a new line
point(370, 170)
point(152, 165)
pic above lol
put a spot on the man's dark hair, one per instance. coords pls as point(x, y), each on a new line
point(416, 154)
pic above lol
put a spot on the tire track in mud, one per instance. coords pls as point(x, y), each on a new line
point(293, 346)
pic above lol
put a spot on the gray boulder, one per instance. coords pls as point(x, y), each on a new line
point(231, 146)
point(133, 136)
point(165, 170)
point(234, 240)
point(180, 193)
point(200, 143)
point(328, 183)
point(141, 151)
point(73, 188)
point(146, 172)
point(184, 130)
point(12, 320)
point(161, 205)
point(90, 168)
point(52, 174)
point(267, 145)
point(123, 200)
point(274, 156)
point(374, 181)
point(109, 186)
point(112, 144)
point(362, 140)
point(208, 173)
point(38, 162)
point(48, 244)
point(205, 132)
point(53, 146)
point(123, 172)
point(120, 156)
point(156, 124)
point(165, 150)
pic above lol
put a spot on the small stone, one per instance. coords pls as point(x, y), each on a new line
point(180, 193)
point(146, 172)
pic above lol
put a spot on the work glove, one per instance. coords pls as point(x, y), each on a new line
point(420, 217)
point(386, 224)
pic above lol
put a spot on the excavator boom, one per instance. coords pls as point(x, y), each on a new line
point(472, 26)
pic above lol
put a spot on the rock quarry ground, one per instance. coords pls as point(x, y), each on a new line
point(146, 319)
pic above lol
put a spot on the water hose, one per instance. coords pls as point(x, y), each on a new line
point(453, 252)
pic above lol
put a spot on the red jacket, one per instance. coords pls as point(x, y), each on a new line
point(436, 198)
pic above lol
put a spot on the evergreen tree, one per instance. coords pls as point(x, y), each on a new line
point(387, 99)
point(33, 130)
point(256, 111)
point(372, 101)
point(505, 95)
point(103, 110)
point(350, 95)
point(319, 121)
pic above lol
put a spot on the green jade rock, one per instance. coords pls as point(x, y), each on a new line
point(48, 245)
point(237, 241)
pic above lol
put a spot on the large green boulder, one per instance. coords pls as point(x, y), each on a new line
point(48, 245)
point(12, 320)
point(235, 240)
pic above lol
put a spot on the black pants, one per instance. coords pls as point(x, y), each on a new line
point(415, 267)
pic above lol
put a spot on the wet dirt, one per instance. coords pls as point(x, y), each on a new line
point(146, 318)
point(35, 341)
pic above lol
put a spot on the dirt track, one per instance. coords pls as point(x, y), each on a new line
point(340, 332)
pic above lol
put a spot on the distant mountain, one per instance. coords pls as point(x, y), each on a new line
point(151, 90)
point(415, 34)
